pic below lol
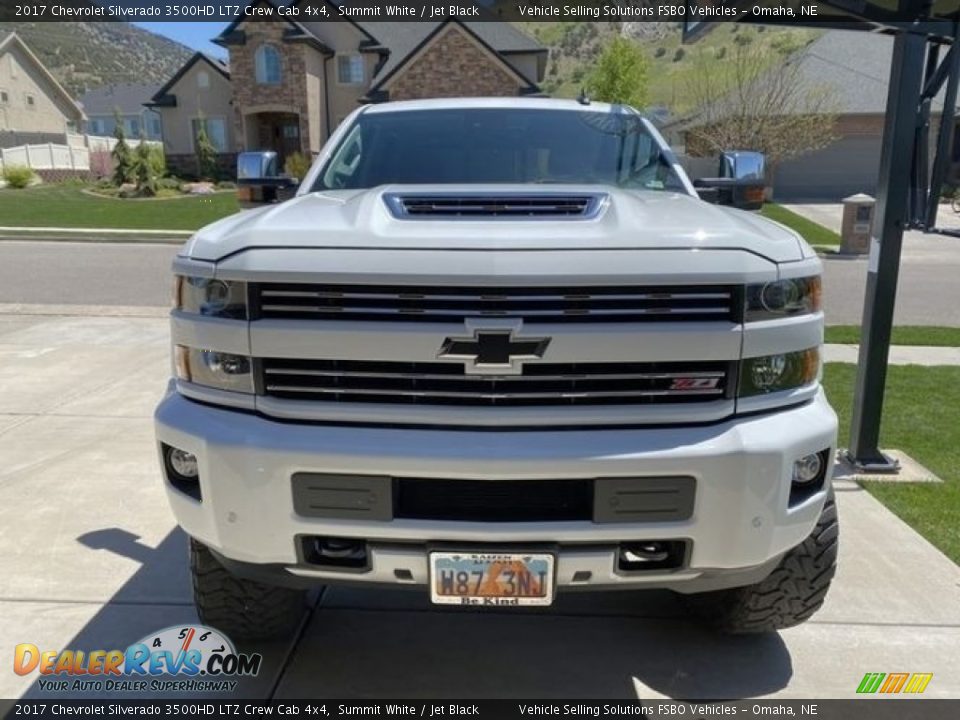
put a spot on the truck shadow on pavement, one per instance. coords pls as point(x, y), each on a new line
point(393, 644)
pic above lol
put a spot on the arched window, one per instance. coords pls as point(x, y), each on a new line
point(267, 61)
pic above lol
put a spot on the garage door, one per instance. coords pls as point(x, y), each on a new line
point(846, 167)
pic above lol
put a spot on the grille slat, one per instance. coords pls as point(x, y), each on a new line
point(449, 384)
point(454, 305)
point(508, 206)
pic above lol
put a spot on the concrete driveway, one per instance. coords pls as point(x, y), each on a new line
point(927, 292)
point(91, 559)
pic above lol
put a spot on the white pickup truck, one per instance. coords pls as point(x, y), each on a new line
point(496, 350)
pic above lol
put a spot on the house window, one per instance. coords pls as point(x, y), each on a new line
point(95, 127)
point(267, 62)
point(31, 102)
point(4, 97)
point(131, 127)
point(153, 123)
point(350, 69)
point(216, 130)
point(203, 79)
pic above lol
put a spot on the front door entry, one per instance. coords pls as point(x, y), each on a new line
point(279, 132)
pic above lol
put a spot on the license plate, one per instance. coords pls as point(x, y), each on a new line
point(491, 579)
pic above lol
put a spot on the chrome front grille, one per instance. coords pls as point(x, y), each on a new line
point(432, 383)
point(455, 304)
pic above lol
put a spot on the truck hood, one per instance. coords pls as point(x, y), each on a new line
point(630, 219)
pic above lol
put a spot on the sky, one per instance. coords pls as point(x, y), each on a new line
point(195, 35)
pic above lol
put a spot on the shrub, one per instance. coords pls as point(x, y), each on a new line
point(158, 161)
point(226, 185)
point(17, 176)
point(660, 52)
point(678, 55)
point(721, 52)
point(169, 183)
point(297, 165)
point(101, 164)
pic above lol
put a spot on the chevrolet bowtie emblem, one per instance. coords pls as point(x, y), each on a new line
point(493, 352)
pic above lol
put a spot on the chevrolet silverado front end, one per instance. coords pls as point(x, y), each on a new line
point(496, 349)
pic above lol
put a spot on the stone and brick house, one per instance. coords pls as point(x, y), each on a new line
point(290, 83)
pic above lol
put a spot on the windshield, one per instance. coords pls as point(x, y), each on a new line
point(472, 146)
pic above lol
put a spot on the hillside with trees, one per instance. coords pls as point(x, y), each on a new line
point(86, 55)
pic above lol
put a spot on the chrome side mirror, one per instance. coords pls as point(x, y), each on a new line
point(259, 182)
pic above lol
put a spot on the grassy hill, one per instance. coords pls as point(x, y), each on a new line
point(574, 47)
point(86, 55)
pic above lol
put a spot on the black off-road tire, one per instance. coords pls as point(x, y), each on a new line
point(243, 609)
point(791, 594)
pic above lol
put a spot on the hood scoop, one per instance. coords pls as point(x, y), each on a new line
point(506, 206)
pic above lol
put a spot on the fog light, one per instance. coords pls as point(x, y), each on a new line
point(807, 469)
point(183, 463)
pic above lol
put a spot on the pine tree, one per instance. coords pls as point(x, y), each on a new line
point(143, 169)
point(206, 153)
point(122, 159)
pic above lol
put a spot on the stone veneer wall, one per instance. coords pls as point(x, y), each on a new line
point(291, 93)
point(453, 66)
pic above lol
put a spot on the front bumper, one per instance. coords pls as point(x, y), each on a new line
point(741, 523)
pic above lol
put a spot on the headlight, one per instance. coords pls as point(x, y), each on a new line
point(773, 373)
point(782, 298)
point(207, 296)
point(210, 368)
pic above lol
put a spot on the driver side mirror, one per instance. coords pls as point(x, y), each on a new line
point(259, 182)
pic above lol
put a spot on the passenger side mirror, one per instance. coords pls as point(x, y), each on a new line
point(740, 182)
point(259, 181)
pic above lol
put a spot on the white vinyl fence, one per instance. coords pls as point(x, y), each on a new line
point(46, 157)
point(75, 155)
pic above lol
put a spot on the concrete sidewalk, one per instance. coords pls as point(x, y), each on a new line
point(95, 235)
point(899, 354)
point(91, 559)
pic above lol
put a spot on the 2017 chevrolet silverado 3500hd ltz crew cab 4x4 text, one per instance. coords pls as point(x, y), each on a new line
point(496, 350)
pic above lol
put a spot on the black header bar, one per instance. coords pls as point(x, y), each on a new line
point(687, 11)
point(872, 709)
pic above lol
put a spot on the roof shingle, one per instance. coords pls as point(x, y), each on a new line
point(125, 98)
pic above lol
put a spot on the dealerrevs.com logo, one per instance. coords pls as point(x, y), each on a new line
point(183, 658)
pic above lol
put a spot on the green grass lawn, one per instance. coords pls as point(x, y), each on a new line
point(812, 232)
point(65, 206)
point(902, 335)
point(921, 416)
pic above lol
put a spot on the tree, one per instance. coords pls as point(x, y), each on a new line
point(758, 98)
point(122, 159)
point(143, 169)
point(205, 152)
point(620, 75)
